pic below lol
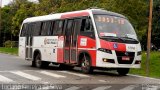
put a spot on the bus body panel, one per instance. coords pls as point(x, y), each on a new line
point(60, 50)
point(48, 47)
point(88, 44)
point(52, 48)
point(114, 59)
point(22, 44)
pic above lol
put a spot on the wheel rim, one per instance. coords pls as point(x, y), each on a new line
point(85, 65)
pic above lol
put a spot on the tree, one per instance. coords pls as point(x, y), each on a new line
point(6, 23)
point(135, 11)
point(156, 23)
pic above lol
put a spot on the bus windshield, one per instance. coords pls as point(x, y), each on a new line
point(112, 26)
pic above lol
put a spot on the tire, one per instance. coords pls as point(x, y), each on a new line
point(39, 63)
point(33, 63)
point(123, 71)
point(86, 65)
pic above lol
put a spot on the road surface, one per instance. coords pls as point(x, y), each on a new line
point(16, 71)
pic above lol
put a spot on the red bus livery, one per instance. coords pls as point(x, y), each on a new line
point(91, 38)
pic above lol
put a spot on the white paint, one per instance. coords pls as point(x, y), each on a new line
point(130, 87)
point(73, 88)
point(131, 47)
point(150, 87)
point(52, 74)
point(47, 46)
point(5, 79)
point(25, 75)
point(22, 50)
point(51, 16)
point(83, 42)
point(144, 77)
point(76, 74)
point(102, 81)
point(87, 48)
point(102, 88)
point(110, 34)
point(61, 42)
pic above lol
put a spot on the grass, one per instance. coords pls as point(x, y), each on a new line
point(154, 65)
point(13, 51)
point(154, 62)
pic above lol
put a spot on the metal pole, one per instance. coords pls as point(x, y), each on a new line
point(149, 37)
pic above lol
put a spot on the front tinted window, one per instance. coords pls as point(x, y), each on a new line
point(114, 26)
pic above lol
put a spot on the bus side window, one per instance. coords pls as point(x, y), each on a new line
point(87, 28)
point(37, 28)
point(55, 28)
point(58, 27)
point(52, 27)
point(29, 29)
point(44, 29)
point(68, 31)
point(48, 28)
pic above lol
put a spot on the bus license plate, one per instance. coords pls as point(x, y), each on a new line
point(125, 58)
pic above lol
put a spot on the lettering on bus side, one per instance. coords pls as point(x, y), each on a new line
point(50, 41)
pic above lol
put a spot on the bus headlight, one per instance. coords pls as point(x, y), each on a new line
point(105, 50)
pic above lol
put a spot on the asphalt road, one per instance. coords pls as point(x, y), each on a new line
point(15, 71)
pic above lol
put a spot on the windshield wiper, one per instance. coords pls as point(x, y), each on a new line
point(113, 37)
point(129, 38)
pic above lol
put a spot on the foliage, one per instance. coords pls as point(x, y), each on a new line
point(9, 50)
point(135, 11)
point(10, 44)
point(154, 65)
point(156, 23)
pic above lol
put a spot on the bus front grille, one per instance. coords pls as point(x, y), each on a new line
point(129, 55)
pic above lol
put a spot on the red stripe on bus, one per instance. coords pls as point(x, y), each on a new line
point(60, 51)
point(60, 55)
point(93, 57)
point(78, 14)
point(110, 45)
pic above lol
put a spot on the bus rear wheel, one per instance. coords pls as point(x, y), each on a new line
point(39, 63)
point(86, 65)
point(123, 71)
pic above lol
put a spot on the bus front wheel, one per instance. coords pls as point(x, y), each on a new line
point(86, 65)
point(123, 71)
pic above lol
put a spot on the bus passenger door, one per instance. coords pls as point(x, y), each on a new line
point(67, 35)
point(71, 34)
point(29, 39)
point(74, 38)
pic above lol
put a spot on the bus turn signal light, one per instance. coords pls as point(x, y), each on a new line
point(108, 60)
